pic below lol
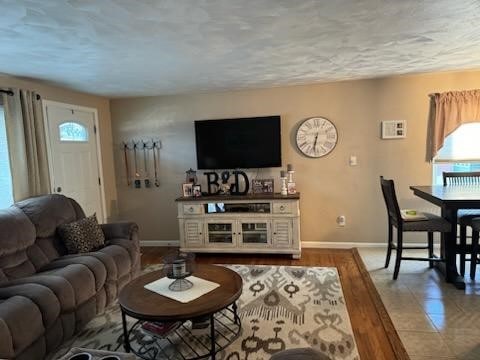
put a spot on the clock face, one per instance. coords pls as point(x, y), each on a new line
point(316, 137)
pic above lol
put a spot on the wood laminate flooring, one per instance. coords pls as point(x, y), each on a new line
point(374, 332)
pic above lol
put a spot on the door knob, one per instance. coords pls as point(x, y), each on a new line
point(59, 189)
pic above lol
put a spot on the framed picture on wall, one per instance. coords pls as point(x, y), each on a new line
point(187, 189)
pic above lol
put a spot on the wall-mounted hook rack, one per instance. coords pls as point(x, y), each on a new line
point(149, 150)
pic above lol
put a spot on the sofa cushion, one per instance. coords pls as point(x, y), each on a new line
point(128, 245)
point(16, 231)
point(47, 212)
point(21, 324)
point(42, 296)
point(82, 236)
point(79, 277)
point(121, 258)
point(60, 286)
point(96, 267)
point(18, 265)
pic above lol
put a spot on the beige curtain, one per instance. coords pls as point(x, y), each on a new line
point(448, 111)
point(26, 144)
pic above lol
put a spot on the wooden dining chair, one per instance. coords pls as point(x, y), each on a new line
point(464, 216)
point(475, 223)
point(430, 225)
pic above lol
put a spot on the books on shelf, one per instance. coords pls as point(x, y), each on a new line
point(201, 325)
point(159, 329)
point(412, 215)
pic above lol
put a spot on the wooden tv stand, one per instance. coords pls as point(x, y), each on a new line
point(267, 223)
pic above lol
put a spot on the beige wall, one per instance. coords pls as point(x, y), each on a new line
point(59, 94)
point(329, 186)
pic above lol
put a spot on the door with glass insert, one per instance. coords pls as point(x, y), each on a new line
point(73, 157)
point(220, 232)
point(255, 233)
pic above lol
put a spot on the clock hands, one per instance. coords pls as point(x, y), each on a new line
point(315, 142)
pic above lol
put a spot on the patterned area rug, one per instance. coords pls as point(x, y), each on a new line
point(281, 307)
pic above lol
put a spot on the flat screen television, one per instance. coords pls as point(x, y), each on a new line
point(238, 143)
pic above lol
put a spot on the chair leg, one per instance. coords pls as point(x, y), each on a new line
point(473, 261)
point(463, 248)
point(430, 248)
point(389, 248)
point(398, 258)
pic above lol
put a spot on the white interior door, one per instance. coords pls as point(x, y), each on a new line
point(74, 164)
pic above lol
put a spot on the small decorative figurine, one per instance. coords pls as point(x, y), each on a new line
point(283, 178)
point(291, 186)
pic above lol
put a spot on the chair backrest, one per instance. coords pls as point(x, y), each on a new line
point(388, 190)
point(461, 178)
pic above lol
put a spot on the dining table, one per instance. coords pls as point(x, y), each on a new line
point(450, 199)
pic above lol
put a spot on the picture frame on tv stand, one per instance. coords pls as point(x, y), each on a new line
point(262, 186)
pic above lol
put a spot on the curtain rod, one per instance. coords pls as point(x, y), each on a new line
point(433, 94)
point(10, 93)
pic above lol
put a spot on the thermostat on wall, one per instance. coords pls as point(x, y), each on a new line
point(394, 129)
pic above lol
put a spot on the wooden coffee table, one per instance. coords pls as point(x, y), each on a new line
point(219, 306)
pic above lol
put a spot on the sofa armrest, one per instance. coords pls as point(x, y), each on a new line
point(122, 230)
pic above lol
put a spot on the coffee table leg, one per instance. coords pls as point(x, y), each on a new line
point(212, 336)
point(235, 315)
point(126, 341)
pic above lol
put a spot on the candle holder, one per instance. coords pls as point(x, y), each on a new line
point(284, 189)
point(291, 186)
point(178, 267)
point(290, 176)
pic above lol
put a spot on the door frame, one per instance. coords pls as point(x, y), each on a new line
point(45, 103)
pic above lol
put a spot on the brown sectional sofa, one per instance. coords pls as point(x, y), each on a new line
point(46, 295)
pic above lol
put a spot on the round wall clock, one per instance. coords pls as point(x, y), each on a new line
point(316, 137)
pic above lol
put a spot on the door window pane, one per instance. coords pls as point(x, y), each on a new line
point(72, 131)
point(6, 191)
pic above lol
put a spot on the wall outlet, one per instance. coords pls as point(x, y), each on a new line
point(341, 220)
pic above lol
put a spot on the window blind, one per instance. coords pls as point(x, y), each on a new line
point(462, 145)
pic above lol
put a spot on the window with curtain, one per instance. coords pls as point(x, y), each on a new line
point(460, 152)
point(6, 191)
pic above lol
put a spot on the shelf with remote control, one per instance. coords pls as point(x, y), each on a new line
point(257, 223)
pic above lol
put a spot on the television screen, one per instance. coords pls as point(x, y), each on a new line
point(238, 143)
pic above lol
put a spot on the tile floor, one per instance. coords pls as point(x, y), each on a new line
point(434, 320)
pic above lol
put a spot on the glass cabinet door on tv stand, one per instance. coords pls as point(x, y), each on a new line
point(221, 232)
point(255, 232)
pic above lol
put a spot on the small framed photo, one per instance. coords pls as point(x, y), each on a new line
point(187, 189)
point(197, 190)
point(262, 186)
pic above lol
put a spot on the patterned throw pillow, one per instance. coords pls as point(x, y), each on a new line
point(82, 236)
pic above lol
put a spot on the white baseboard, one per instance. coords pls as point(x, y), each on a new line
point(305, 244)
point(151, 243)
point(339, 245)
point(349, 245)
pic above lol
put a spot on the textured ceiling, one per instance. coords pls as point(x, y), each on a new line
point(148, 47)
